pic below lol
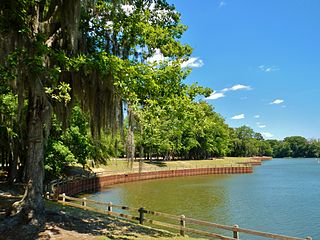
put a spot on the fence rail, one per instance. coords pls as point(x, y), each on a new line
point(181, 220)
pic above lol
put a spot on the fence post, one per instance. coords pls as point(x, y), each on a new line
point(235, 232)
point(84, 203)
point(182, 225)
point(110, 207)
point(63, 198)
point(141, 216)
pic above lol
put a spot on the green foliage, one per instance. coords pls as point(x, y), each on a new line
point(70, 146)
point(107, 146)
point(172, 124)
point(295, 146)
point(57, 157)
point(246, 143)
point(78, 143)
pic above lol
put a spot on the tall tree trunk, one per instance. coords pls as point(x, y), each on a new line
point(31, 207)
point(13, 165)
point(141, 153)
point(130, 138)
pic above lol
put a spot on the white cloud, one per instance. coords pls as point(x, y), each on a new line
point(215, 95)
point(157, 57)
point(256, 116)
point(267, 134)
point(260, 125)
point(264, 68)
point(238, 117)
point(237, 87)
point(192, 63)
point(277, 101)
point(220, 94)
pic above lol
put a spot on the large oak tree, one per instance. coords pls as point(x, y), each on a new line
point(55, 52)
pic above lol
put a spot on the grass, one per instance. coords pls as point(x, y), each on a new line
point(120, 165)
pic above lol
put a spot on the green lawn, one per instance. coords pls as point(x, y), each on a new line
point(119, 165)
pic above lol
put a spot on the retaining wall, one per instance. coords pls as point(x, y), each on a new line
point(98, 182)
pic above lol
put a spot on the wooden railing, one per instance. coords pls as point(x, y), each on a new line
point(181, 221)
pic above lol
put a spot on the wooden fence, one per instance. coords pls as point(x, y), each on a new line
point(181, 221)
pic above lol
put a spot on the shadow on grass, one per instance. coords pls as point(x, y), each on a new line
point(62, 222)
point(84, 222)
point(157, 163)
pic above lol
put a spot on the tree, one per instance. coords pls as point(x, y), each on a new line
point(298, 146)
point(134, 31)
point(9, 141)
point(31, 35)
point(245, 142)
point(313, 149)
point(95, 52)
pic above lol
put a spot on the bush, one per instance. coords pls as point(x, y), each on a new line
point(57, 157)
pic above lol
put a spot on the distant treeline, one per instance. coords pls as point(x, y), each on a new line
point(296, 147)
point(245, 142)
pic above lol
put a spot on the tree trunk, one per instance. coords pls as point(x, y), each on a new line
point(130, 139)
point(141, 153)
point(31, 207)
point(13, 165)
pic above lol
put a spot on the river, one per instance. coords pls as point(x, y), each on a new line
point(281, 196)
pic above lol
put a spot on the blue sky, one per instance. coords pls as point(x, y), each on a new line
point(263, 60)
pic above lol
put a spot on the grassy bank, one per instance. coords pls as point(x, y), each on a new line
point(122, 165)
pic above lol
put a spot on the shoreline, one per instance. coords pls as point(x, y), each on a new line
point(103, 179)
point(97, 182)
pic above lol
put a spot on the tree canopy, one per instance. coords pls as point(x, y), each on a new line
point(96, 55)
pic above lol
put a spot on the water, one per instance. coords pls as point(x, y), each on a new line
point(281, 196)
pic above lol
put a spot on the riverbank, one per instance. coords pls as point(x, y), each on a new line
point(121, 171)
point(100, 181)
point(121, 165)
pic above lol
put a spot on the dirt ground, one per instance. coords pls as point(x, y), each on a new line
point(67, 223)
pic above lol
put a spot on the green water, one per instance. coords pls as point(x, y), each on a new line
point(281, 196)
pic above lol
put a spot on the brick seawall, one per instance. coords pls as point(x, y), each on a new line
point(99, 182)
